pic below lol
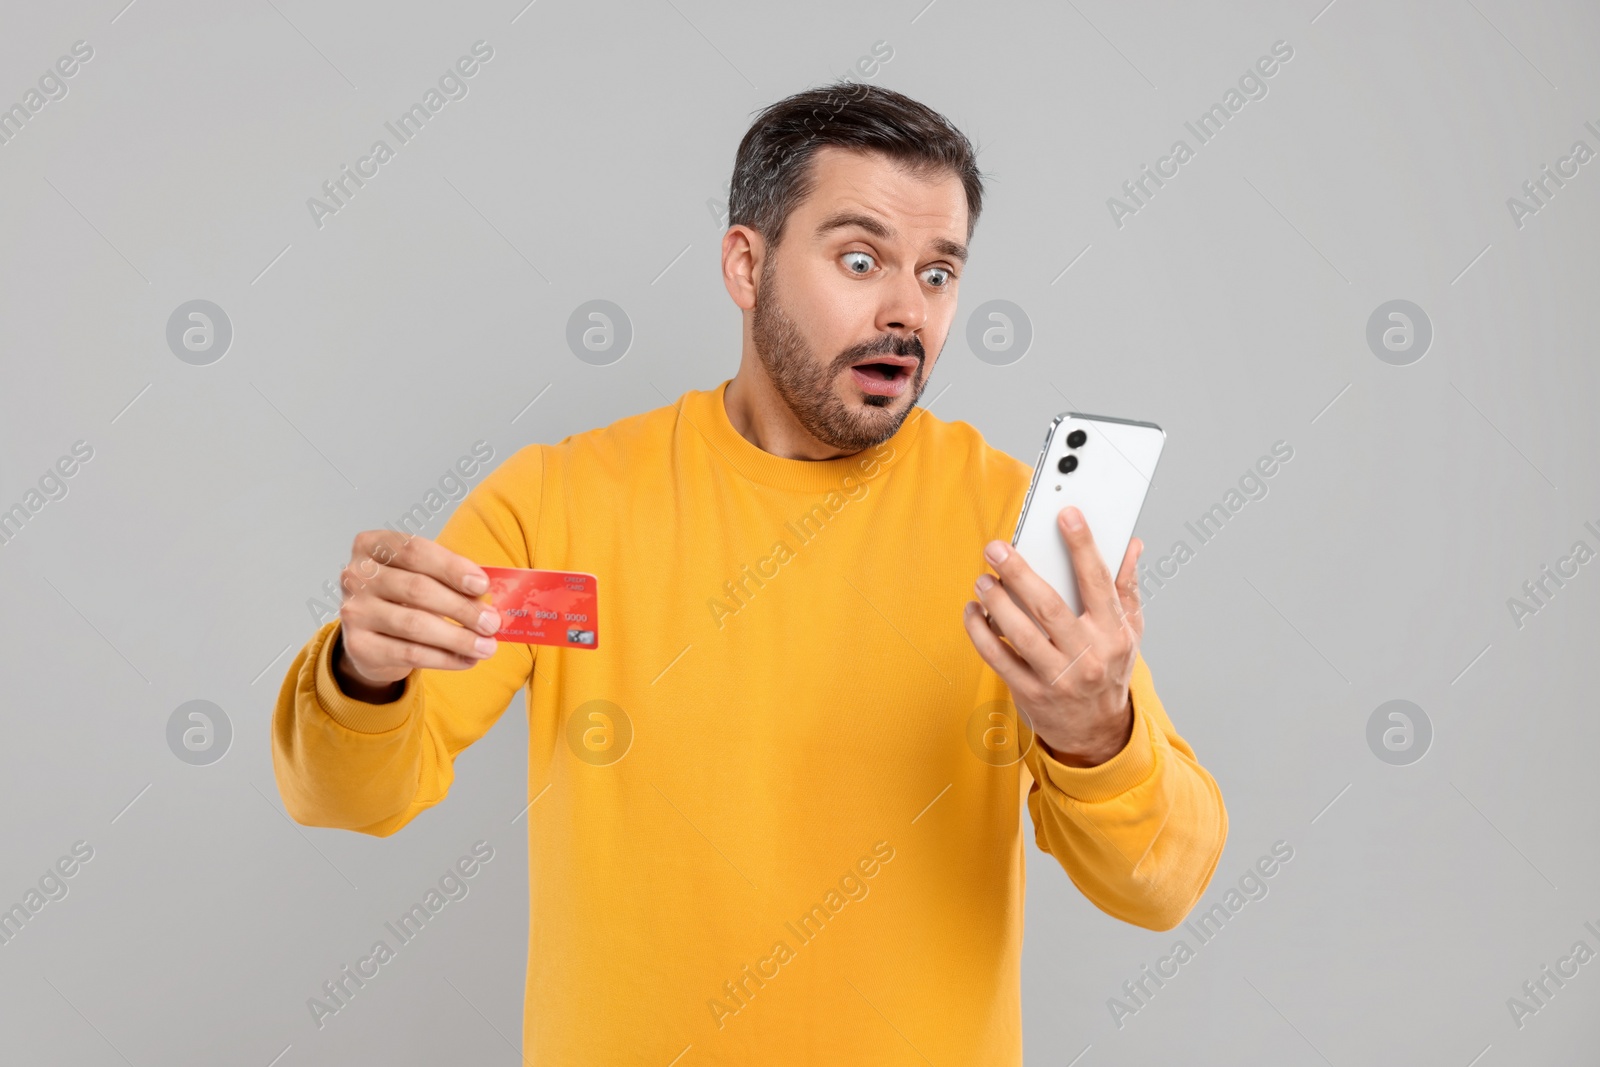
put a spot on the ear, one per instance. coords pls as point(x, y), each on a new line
point(742, 253)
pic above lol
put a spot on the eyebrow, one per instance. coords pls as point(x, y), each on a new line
point(841, 219)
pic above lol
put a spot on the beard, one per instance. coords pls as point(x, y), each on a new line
point(806, 384)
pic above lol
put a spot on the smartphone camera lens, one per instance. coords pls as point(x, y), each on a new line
point(1076, 438)
point(1068, 464)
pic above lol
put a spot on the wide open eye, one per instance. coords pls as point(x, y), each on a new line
point(857, 262)
point(945, 274)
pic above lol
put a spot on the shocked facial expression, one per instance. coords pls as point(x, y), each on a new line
point(855, 303)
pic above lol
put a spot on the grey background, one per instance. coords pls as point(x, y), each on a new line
point(369, 354)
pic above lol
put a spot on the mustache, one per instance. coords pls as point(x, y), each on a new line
point(887, 345)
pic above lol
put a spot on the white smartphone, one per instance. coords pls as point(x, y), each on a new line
point(1100, 465)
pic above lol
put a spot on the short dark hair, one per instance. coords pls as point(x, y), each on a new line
point(772, 171)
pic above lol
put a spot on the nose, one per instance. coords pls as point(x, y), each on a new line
point(904, 309)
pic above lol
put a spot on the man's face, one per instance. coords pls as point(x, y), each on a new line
point(855, 304)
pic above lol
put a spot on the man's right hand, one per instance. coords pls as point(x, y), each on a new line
point(400, 593)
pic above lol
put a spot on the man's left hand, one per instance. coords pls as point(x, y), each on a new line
point(1071, 679)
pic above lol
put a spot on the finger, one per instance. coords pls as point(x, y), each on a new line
point(1095, 589)
point(425, 557)
point(381, 652)
point(411, 589)
point(381, 546)
point(1046, 605)
point(1005, 662)
point(417, 627)
point(1128, 587)
point(1031, 643)
point(988, 621)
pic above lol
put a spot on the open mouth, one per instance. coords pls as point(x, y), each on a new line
point(885, 375)
point(887, 371)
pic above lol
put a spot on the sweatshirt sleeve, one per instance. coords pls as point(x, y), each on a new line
point(1140, 834)
point(348, 764)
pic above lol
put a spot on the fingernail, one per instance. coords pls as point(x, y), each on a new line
point(475, 583)
point(485, 646)
point(1073, 518)
point(996, 552)
point(985, 583)
point(489, 621)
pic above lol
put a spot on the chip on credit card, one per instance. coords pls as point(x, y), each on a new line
point(545, 607)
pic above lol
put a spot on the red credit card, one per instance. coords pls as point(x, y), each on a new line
point(545, 607)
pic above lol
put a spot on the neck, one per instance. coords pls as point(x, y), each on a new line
point(759, 413)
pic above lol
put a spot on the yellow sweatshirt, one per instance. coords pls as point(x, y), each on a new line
point(776, 814)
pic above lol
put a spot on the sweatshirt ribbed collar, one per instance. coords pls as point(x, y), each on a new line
point(707, 414)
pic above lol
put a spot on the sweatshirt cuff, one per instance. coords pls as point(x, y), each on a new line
point(353, 714)
point(1120, 773)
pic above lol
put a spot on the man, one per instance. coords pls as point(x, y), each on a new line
point(776, 813)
